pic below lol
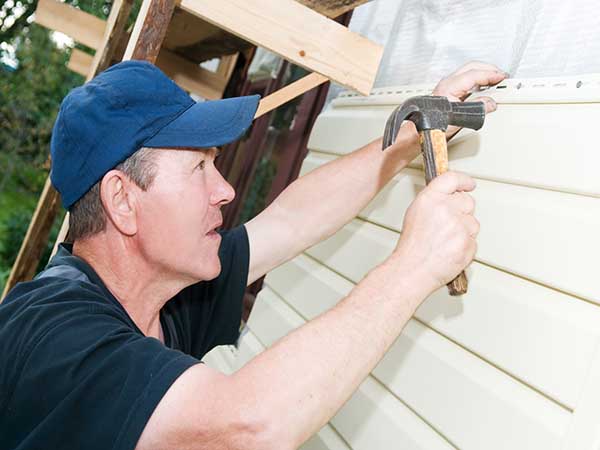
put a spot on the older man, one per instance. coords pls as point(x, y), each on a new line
point(102, 349)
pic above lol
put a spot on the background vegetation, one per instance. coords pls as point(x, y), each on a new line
point(33, 81)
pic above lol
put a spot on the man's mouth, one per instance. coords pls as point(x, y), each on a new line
point(213, 230)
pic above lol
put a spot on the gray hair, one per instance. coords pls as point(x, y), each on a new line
point(87, 215)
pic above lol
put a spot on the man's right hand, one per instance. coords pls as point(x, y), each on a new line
point(439, 232)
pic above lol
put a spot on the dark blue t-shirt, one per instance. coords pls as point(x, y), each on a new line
point(75, 370)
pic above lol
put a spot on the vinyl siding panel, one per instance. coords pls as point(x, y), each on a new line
point(515, 362)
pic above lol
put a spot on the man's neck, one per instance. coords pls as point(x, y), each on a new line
point(140, 286)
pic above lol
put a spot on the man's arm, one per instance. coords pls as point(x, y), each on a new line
point(288, 392)
point(317, 205)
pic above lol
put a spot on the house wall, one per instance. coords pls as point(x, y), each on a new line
point(513, 364)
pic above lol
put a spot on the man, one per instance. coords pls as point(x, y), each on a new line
point(102, 349)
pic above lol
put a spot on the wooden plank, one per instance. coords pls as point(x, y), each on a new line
point(80, 62)
point(83, 27)
point(372, 418)
point(62, 234)
point(113, 32)
point(332, 8)
point(227, 65)
point(191, 77)
point(188, 76)
point(197, 40)
point(289, 92)
point(35, 239)
point(149, 30)
point(298, 34)
point(556, 335)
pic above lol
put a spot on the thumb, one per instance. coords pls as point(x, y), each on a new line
point(451, 182)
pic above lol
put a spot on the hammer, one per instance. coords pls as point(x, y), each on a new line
point(432, 115)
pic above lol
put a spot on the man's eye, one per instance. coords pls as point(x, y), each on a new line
point(201, 165)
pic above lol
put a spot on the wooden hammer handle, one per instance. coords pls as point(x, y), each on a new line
point(435, 156)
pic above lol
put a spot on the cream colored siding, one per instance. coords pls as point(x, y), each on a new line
point(515, 363)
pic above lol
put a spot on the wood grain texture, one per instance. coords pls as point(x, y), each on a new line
point(298, 34)
point(80, 62)
point(150, 29)
point(435, 158)
point(113, 33)
point(83, 27)
point(191, 77)
point(289, 92)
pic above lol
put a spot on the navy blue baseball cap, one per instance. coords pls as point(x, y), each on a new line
point(129, 106)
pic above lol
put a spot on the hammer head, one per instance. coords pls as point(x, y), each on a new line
point(430, 112)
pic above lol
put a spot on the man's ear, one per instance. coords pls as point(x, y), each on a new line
point(118, 196)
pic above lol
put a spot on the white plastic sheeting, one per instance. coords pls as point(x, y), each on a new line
point(427, 39)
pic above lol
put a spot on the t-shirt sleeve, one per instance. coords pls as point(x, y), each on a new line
point(97, 377)
point(208, 314)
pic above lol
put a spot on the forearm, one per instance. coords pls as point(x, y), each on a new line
point(318, 204)
point(303, 379)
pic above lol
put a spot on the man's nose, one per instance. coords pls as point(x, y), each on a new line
point(222, 192)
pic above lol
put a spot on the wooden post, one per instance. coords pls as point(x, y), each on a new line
point(150, 30)
point(36, 238)
point(298, 34)
point(115, 28)
point(49, 203)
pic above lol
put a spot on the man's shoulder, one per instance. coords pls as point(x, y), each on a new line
point(34, 307)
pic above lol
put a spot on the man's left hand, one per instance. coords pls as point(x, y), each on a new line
point(459, 85)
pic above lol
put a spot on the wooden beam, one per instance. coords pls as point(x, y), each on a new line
point(80, 62)
point(113, 32)
point(62, 235)
point(226, 65)
point(49, 203)
point(36, 238)
point(81, 26)
point(189, 76)
point(150, 30)
point(298, 34)
point(332, 8)
point(198, 40)
point(192, 77)
point(289, 92)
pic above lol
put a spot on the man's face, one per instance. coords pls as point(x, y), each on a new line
point(179, 213)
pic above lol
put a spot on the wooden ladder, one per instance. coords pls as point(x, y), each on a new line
point(177, 35)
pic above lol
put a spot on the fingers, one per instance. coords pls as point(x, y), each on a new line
point(463, 202)
point(472, 225)
point(473, 79)
point(451, 182)
point(490, 104)
point(477, 65)
point(460, 85)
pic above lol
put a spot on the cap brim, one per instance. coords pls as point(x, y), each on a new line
point(207, 124)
